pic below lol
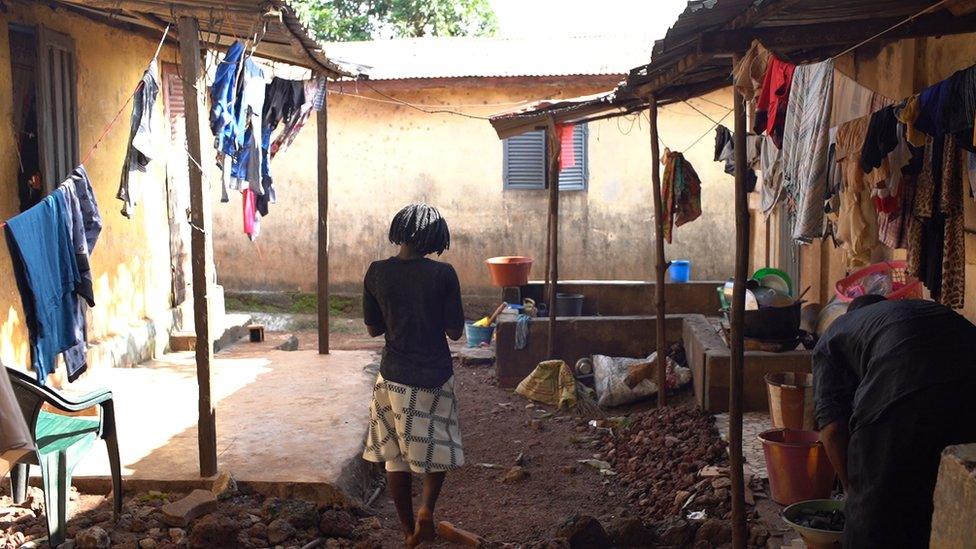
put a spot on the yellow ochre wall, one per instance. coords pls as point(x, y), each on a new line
point(383, 156)
point(131, 260)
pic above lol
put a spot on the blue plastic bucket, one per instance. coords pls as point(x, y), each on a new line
point(477, 335)
point(680, 270)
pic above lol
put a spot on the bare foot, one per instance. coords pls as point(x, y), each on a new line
point(425, 530)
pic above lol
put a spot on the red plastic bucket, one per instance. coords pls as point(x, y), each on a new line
point(508, 271)
point(797, 464)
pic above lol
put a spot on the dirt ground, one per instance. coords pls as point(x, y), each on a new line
point(497, 427)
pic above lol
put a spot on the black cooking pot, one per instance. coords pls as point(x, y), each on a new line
point(776, 323)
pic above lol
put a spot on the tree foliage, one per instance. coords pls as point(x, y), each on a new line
point(345, 20)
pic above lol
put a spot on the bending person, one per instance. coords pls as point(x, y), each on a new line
point(894, 384)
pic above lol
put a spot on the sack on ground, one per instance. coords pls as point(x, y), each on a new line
point(609, 374)
point(551, 383)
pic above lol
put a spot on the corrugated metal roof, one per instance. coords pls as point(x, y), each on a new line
point(681, 67)
point(459, 57)
point(221, 23)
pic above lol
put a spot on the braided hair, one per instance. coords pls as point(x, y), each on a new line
point(422, 227)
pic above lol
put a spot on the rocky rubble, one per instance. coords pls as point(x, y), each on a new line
point(240, 519)
point(674, 468)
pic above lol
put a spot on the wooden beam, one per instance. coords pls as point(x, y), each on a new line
point(844, 33)
point(961, 7)
point(553, 152)
point(662, 265)
point(323, 234)
point(739, 528)
point(201, 243)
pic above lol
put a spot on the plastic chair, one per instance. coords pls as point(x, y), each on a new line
point(62, 441)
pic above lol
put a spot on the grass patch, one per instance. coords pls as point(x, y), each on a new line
point(292, 303)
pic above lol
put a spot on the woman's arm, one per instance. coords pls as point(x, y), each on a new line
point(835, 438)
point(372, 314)
point(453, 309)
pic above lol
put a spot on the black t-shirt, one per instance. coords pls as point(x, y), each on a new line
point(415, 301)
point(871, 357)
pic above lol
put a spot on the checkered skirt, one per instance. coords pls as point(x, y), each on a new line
point(415, 424)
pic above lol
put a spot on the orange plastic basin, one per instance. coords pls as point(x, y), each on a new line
point(510, 270)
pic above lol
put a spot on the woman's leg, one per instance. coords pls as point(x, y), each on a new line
point(399, 485)
point(425, 515)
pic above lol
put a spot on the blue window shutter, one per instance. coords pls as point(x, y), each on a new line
point(575, 177)
point(525, 161)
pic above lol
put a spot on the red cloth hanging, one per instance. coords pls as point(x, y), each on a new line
point(567, 153)
point(250, 208)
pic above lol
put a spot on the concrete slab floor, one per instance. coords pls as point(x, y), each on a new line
point(753, 423)
point(291, 421)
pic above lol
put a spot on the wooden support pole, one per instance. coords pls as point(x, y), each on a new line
point(662, 265)
point(201, 243)
point(323, 234)
point(553, 149)
point(739, 530)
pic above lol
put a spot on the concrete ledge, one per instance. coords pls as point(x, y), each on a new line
point(578, 337)
point(710, 360)
point(635, 298)
point(954, 517)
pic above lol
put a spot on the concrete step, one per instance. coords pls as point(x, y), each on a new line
point(235, 327)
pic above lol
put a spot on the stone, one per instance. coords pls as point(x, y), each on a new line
point(628, 532)
point(224, 486)
point(369, 523)
point(336, 523)
point(182, 512)
point(675, 532)
point(69, 544)
point(147, 543)
point(680, 497)
point(722, 482)
point(290, 344)
point(258, 531)
point(583, 531)
point(280, 530)
point(715, 531)
point(177, 535)
point(300, 514)
point(477, 356)
point(93, 538)
point(214, 532)
point(515, 475)
point(568, 469)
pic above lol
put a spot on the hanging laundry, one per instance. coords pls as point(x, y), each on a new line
point(937, 250)
point(907, 115)
point(749, 73)
point(680, 193)
point(314, 101)
point(961, 107)
point(223, 100)
point(857, 224)
point(805, 147)
point(47, 276)
point(567, 152)
point(881, 138)
point(15, 438)
point(725, 152)
point(246, 164)
point(852, 100)
point(140, 151)
point(894, 221)
point(773, 99)
point(771, 166)
point(85, 225)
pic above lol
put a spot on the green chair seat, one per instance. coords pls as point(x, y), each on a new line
point(56, 432)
